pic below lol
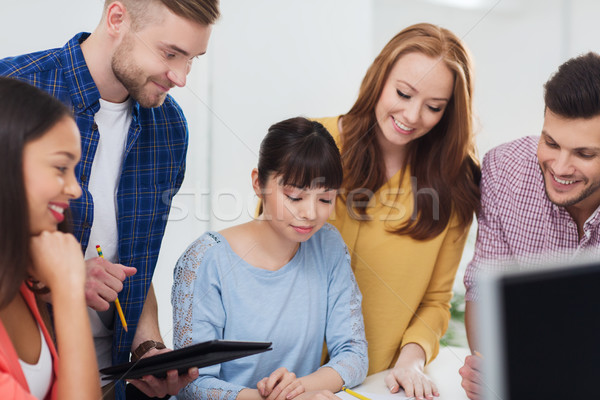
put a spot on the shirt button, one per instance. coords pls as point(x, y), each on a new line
point(95, 127)
point(86, 225)
point(80, 106)
point(83, 178)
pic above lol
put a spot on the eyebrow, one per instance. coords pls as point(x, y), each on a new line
point(303, 188)
point(70, 156)
point(415, 89)
point(544, 133)
point(594, 149)
point(179, 50)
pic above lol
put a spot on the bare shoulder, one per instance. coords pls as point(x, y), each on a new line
point(237, 231)
point(240, 237)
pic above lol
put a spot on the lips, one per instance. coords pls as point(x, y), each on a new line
point(302, 229)
point(562, 181)
point(164, 88)
point(57, 210)
point(560, 184)
point(401, 128)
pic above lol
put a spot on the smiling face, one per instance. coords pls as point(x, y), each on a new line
point(569, 157)
point(152, 60)
point(413, 99)
point(294, 213)
point(49, 172)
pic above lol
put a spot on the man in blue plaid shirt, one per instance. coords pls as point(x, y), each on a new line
point(134, 140)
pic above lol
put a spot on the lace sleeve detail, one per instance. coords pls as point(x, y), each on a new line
point(345, 335)
point(198, 315)
point(182, 292)
point(193, 391)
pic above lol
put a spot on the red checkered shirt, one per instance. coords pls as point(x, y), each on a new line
point(518, 224)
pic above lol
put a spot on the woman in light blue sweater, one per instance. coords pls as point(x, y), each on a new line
point(279, 278)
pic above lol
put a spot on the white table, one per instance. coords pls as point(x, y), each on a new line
point(443, 371)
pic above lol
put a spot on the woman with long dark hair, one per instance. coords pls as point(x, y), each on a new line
point(39, 148)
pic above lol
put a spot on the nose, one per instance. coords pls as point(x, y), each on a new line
point(412, 112)
point(562, 164)
point(177, 78)
point(179, 75)
point(308, 211)
point(72, 188)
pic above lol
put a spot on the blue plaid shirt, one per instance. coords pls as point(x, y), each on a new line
point(153, 169)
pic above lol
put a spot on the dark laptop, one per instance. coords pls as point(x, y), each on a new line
point(540, 333)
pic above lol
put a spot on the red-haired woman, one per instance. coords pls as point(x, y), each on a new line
point(409, 194)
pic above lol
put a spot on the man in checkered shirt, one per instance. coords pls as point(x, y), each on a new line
point(540, 195)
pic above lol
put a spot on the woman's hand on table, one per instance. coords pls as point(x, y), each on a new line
point(408, 373)
point(281, 384)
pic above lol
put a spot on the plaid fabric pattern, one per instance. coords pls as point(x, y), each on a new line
point(518, 225)
point(153, 169)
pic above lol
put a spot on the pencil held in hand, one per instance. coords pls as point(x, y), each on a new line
point(117, 303)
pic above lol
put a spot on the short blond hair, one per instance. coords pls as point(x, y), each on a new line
point(204, 12)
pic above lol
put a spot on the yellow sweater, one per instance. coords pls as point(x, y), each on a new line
point(406, 284)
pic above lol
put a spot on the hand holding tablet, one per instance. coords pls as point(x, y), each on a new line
point(198, 355)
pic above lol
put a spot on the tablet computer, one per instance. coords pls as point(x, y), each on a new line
point(197, 355)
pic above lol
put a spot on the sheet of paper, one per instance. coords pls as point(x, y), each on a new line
point(372, 396)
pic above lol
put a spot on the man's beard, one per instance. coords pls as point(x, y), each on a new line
point(587, 191)
point(132, 76)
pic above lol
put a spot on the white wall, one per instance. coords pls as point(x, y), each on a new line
point(269, 60)
point(31, 25)
point(275, 60)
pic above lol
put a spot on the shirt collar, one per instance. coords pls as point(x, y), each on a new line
point(593, 220)
point(590, 223)
point(84, 92)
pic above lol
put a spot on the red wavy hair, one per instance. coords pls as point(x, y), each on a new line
point(443, 159)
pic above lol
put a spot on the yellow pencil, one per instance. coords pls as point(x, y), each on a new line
point(117, 303)
point(353, 393)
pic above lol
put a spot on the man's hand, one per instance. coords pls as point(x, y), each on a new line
point(171, 385)
point(104, 281)
point(471, 377)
